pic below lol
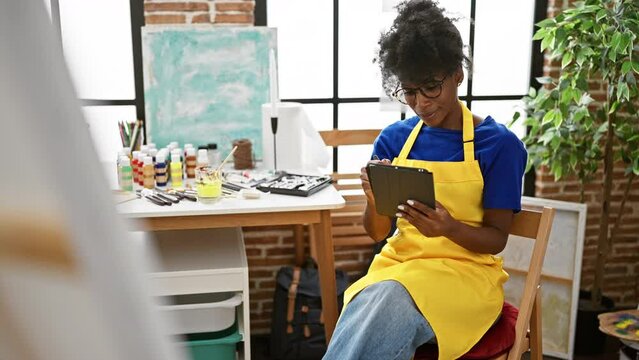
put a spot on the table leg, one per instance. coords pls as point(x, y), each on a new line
point(325, 262)
point(298, 235)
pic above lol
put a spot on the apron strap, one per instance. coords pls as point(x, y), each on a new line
point(403, 155)
point(468, 136)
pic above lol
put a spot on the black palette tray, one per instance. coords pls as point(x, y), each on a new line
point(294, 184)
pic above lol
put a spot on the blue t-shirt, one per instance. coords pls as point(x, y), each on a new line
point(501, 155)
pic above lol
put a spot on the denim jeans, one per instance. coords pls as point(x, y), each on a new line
point(381, 322)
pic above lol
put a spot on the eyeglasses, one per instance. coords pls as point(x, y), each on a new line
point(430, 90)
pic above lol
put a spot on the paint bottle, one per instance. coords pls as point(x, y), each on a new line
point(151, 146)
point(148, 173)
point(169, 148)
point(176, 170)
point(134, 165)
point(202, 159)
point(186, 147)
point(173, 145)
point(166, 155)
point(213, 154)
point(144, 149)
point(161, 176)
point(126, 174)
point(191, 163)
point(117, 163)
point(140, 179)
point(153, 153)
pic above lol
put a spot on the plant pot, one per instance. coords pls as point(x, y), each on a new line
point(588, 339)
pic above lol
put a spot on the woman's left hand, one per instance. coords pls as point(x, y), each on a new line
point(430, 222)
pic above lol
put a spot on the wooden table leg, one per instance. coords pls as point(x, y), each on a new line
point(326, 264)
point(298, 235)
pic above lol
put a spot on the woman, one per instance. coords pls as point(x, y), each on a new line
point(437, 279)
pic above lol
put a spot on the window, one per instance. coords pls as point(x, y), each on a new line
point(98, 40)
point(326, 45)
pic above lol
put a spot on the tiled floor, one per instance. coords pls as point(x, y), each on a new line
point(259, 350)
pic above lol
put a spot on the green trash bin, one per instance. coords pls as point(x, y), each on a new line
point(214, 346)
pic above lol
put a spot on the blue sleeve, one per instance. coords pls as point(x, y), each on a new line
point(503, 175)
point(390, 141)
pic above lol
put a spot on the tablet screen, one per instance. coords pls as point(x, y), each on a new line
point(393, 185)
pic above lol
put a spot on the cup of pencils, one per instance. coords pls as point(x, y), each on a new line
point(208, 184)
point(130, 134)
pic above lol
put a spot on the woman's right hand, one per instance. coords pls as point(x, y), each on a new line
point(377, 226)
point(363, 175)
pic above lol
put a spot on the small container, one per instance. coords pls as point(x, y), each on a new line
point(117, 163)
point(213, 348)
point(148, 173)
point(125, 174)
point(176, 170)
point(135, 165)
point(161, 177)
point(200, 313)
point(153, 153)
point(191, 163)
point(151, 146)
point(167, 160)
point(208, 184)
point(202, 158)
point(178, 151)
point(214, 154)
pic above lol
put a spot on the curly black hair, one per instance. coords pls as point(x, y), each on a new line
point(421, 43)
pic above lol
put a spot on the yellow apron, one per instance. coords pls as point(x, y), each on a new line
point(459, 292)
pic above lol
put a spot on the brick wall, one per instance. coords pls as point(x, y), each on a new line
point(199, 12)
point(621, 281)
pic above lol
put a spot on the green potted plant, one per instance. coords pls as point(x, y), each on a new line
point(570, 132)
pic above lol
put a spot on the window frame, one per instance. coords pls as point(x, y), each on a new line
point(137, 21)
point(536, 70)
point(260, 16)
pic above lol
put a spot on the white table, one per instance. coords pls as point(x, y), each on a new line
point(270, 209)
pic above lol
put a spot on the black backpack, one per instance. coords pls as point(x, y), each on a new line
point(297, 328)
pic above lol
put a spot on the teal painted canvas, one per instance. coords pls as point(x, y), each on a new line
point(206, 84)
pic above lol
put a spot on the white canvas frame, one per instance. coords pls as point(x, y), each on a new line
point(561, 273)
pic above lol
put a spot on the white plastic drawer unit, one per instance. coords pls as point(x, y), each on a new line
point(199, 261)
point(199, 313)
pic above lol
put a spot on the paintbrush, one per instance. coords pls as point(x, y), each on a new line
point(225, 160)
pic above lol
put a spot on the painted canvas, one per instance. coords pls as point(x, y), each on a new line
point(205, 84)
point(560, 274)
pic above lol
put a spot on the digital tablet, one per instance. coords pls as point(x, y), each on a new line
point(392, 185)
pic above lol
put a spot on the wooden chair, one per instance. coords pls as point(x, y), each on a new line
point(533, 224)
point(536, 226)
point(347, 226)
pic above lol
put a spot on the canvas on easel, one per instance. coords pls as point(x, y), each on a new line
point(205, 84)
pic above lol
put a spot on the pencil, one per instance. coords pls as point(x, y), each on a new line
point(122, 136)
point(134, 136)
